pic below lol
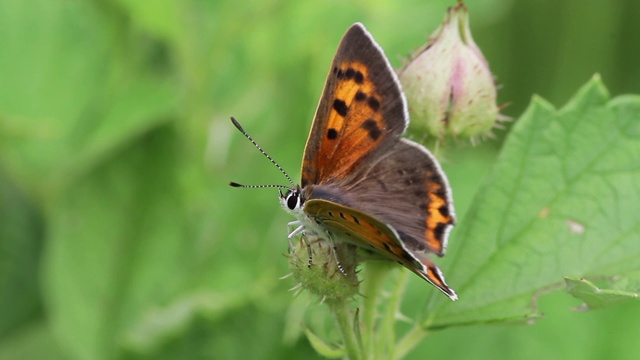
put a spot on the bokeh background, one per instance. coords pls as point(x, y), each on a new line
point(119, 237)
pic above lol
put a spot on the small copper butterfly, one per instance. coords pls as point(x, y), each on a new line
point(363, 183)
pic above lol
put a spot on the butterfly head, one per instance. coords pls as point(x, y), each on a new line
point(292, 200)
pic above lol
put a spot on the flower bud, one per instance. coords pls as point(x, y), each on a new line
point(449, 88)
point(324, 270)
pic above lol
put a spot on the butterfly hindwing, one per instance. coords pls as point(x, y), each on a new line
point(369, 233)
point(407, 190)
point(361, 113)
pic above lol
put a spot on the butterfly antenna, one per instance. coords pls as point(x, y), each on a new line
point(239, 127)
point(235, 184)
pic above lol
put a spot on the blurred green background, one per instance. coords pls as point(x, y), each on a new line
point(119, 237)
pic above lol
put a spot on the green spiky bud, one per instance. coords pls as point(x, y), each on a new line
point(327, 272)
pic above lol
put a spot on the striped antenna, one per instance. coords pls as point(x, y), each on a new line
point(234, 184)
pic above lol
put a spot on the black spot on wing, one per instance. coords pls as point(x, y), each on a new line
point(372, 128)
point(349, 74)
point(358, 77)
point(360, 96)
point(434, 177)
point(444, 210)
point(373, 103)
point(441, 193)
point(439, 230)
point(332, 134)
point(340, 107)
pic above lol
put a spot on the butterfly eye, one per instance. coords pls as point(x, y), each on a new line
point(293, 200)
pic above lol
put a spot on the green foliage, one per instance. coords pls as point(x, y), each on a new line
point(119, 237)
point(322, 348)
point(565, 188)
point(594, 297)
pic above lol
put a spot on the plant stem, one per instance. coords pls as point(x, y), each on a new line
point(373, 281)
point(344, 318)
point(385, 344)
point(409, 341)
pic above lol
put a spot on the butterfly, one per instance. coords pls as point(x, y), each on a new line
point(362, 182)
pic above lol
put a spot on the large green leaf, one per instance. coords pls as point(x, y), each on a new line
point(561, 201)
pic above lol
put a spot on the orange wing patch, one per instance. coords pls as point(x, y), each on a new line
point(438, 219)
point(355, 114)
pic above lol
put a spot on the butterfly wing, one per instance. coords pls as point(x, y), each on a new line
point(362, 111)
point(369, 233)
point(408, 190)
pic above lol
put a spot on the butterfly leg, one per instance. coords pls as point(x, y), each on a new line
point(299, 230)
point(306, 241)
point(334, 250)
point(294, 232)
point(338, 264)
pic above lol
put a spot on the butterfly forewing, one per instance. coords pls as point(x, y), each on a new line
point(361, 113)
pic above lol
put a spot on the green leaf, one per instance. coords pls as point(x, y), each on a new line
point(594, 297)
point(323, 348)
point(562, 200)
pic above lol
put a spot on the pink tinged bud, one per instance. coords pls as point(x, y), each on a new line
point(448, 84)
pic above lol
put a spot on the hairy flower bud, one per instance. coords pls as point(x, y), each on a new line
point(449, 88)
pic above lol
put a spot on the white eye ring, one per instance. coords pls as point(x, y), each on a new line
point(293, 200)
